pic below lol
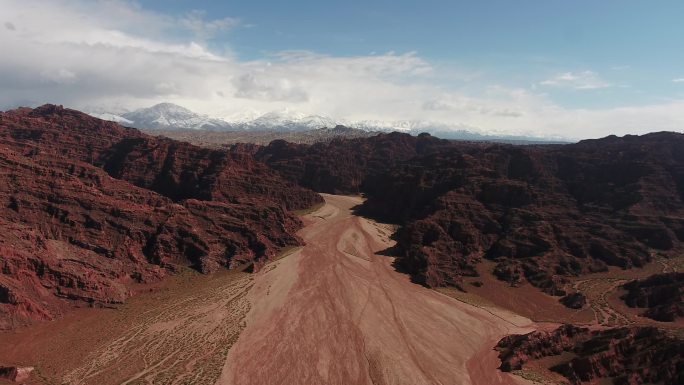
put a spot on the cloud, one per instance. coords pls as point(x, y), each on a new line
point(92, 52)
point(59, 76)
point(463, 105)
point(268, 88)
point(204, 29)
point(94, 24)
point(115, 55)
point(585, 80)
point(678, 80)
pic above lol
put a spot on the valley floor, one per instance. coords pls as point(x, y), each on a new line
point(179, 333)
point(332, 312)
point(336, 312)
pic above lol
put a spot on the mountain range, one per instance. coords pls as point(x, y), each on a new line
point(172, 117)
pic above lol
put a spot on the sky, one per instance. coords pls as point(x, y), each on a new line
point(545, 68)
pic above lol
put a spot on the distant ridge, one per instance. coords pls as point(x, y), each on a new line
point(171, 117)
point(222, 139)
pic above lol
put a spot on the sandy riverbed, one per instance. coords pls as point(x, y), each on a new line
point(336, 312)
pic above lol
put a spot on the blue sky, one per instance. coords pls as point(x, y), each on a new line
point(557, 68)
point(635, 44)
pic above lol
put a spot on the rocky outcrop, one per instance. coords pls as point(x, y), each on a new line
point(516, 350)
point(635, 355)
point(542, 213)
point(88, 208)
point(574, 300)
point(224, 139)
point(661, 294)
point(15, 373)
point(343, 166)
point(177, 170)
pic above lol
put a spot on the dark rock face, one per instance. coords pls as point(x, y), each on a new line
point(16, 374)
point(174, 169)
point(515, 350)
point(634, 355)
point(574, 300)
point(543, 213)
point(88, 207)
point(662, 294)
point(343, 166)
point(224, 139)
point(182, 171)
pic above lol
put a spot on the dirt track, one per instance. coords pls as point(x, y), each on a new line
point(337, 313)
point(177, 334)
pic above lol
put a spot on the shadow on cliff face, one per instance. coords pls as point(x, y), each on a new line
point(399, 264)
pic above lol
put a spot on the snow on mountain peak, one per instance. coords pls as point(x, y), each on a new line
point(169, 116)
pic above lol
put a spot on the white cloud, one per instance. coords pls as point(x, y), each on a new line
point(205, 29)
point(254, 86)
point(114, 55)
point(466, 105)
point(60, 76)
point(584, 80)
point(678, 80)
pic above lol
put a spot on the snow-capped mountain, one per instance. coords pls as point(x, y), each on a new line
point(111, 117)
point(284, 121)
point(169, 116)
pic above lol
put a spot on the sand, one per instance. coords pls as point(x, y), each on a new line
point(177, 334)
point(335, 312)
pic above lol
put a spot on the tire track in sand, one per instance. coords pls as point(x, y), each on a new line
point(182, 340)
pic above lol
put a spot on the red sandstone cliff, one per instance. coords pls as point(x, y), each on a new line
point(662, 295)
point(542, 213)
point(630, 356)
point(88, 207)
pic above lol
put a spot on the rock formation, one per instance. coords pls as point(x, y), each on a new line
point(15, 373)
point(542, 213)
point(574, 300)
point(661, 294)
point(174, 169)
point(343, 166)
point(224, 139)
point(630, 356)
point(88, 207)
